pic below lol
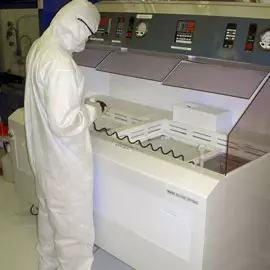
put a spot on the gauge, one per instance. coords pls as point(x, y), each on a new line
point(141, 29)
point(264, 41)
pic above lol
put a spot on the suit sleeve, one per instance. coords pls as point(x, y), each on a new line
point(66, 112)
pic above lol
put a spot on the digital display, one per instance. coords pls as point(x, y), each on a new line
point(184, 32)
point(230, 35)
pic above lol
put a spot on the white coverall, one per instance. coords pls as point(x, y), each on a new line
point(58, 139)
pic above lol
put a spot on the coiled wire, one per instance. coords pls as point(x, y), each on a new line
point(149, 145)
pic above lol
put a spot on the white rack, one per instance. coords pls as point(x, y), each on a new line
point(171, 136)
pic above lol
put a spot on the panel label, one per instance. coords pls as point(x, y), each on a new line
point(181, 48)
point(96, 39)
point(145, 16)
point(182, 197)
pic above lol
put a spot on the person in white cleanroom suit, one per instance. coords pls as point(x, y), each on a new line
point(57, 119)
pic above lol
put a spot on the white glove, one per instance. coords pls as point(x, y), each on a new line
point(93, 109)
point(94, 101)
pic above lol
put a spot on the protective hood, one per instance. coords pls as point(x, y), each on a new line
point(73, 24)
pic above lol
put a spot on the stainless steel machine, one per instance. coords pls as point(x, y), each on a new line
point(182, 156)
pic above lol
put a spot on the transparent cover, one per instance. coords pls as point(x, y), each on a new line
point(248, 140)
point(140, 65)
point(91, 57)
point(215, 78)
point(250, 137)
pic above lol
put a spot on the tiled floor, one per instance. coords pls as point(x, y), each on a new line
point(18, 236)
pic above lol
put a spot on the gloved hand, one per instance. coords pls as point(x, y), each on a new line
point(93, 102)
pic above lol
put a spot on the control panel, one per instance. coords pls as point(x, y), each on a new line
point(184, 32)
point(120, 27)
point(184, 35)
point(235, 39)
point(101, 29)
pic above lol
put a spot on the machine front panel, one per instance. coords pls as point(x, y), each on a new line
point(227, 38)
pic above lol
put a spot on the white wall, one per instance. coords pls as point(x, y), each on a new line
point(28, 26)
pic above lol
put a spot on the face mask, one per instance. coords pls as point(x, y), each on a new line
point(81, 47)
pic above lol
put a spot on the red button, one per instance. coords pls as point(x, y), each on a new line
point(103, 21)
point(249, 46)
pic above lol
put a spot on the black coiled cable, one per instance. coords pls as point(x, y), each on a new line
point(34, 210)
point(106, 130)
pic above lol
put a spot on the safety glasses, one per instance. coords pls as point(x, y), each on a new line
point(81, 20)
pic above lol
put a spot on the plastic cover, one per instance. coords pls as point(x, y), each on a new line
point(91, 57)
point(250, 137)
point(217, 79)
point(140, 65)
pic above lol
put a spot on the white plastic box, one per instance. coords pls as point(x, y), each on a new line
point(202, 116)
